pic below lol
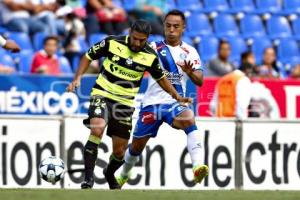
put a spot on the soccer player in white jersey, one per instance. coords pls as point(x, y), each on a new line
point(180, 61)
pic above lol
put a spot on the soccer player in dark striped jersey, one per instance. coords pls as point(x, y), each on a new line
point(112, 97)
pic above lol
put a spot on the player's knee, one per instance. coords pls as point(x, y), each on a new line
point(187, 123)
point(97, 131)
point(119, 153)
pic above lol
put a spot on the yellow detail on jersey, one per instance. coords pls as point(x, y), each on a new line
point(122, 72)
point(87, 56)
point(124, 52)
point(116, 89)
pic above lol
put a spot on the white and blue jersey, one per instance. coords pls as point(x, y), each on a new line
point(157, 105)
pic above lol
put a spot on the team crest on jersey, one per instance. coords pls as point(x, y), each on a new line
point(102, 44)
point(163, 52)
point(129, 61)
point(183, 56)
point(115, 58)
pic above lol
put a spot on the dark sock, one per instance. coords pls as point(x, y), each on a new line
point(113, 165)
point(90, 156)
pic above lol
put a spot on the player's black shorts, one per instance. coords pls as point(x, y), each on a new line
point(117, 116)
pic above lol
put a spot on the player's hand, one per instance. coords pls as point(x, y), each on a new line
point(186, 66)
point(12, 45)
point(73, 85)
point(185, 100)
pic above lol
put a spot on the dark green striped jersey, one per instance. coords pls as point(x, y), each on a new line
point(122, 70)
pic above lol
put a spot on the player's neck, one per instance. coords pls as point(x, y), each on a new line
point(173, 43)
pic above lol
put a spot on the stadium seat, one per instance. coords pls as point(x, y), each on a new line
point(291, 7)
point(241, 6)
point(188, 40)
point(267, 6)
point(171, 4)
point(215, 5)
point(118, 3)
point(258, 46)
point(96, 37)
point(38, 40)
point(288, 50)
point(25, 60)
point(22, 39)
point(129, 5)
point(296, 28)
point(238, 46)
point(252, 26)
point(208, 48)
point(192, 5)
point(225, 25)
point(7, 60)
point(278, 26)
point(65, 66)
point(198, 24)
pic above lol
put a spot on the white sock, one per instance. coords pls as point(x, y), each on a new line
point(194, 146)
point(130, 161)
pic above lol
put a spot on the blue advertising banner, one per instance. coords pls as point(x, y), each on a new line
point(46, 95)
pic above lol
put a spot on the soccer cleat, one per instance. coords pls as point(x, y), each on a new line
point(122, 180)
point(111, 180)
point(200, 172)
point(87, 184)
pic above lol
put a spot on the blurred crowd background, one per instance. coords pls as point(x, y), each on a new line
point(226, 33)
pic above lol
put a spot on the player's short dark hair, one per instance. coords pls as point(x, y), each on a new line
point(50, 38)
point(177, 13)
point(141, 26)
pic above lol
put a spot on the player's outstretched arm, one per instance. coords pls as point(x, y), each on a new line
point(168, 87)
point(84, 64)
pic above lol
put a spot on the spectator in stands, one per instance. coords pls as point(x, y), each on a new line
point(44, 11)
point(295, 72)
point(16, 17)
point(111, 18)
point(220, 66)
point(46, 61)
point(233, 94)
point(269, 67)
point(152, 11)
point(248, 58)
point(75, 33)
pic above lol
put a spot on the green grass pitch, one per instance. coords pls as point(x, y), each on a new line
point(63, 194)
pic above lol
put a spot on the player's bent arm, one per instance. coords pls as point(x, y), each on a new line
point(165, 84)
point(197, 77)
point(83, 66)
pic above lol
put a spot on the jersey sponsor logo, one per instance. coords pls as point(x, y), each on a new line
point(120, 50)
point(115, 69)
point(148, 118)
point(174, 78)
point(163, 53)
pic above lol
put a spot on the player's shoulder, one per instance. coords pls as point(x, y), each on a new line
point(149, 48)
point(188, 47)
